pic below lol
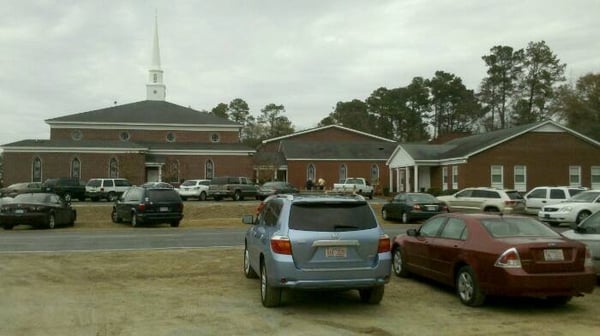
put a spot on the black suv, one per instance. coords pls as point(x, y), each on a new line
point(139, 205)
point(65, 187)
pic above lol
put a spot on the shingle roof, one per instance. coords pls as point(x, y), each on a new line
point(354, 150)
point(116, 145)
point(146, 112)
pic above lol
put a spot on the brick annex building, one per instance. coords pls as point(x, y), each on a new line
point(150, 140)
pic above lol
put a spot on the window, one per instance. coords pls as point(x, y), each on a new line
point(215, 137)
point(454, 177)
point(596, 177)
point(521, 178)
point(36, 170)
point(444, 178)
point(171, 137)
point(124, 136)
point(374, 174)
point(311, 172)
point(75, 168)
point(497, 177)
point(155, 79)
point(574, 176)
point(113, 168)
point(454, 229)
point(343, 173)
point(209, 171)
point(558, 194)
point(76, 135)
point(431, 227)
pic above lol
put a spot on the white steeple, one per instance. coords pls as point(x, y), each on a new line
point(155, 89)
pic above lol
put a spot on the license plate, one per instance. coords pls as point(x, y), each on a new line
point(19, 211)
point(431, 207)
point(164, 209)
point(546, 215)
point(553, 255)
point(335, 252)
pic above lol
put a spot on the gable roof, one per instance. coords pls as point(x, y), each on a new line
point(351, 150)
point(145, 112)
point(317, 129)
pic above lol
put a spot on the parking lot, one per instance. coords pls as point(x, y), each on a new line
point(203, 291)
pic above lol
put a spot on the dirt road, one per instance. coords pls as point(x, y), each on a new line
point(204, 292)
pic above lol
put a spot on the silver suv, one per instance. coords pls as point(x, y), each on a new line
point(106, 188)
point(537, 197)
point(320, 242)
point(485, 200)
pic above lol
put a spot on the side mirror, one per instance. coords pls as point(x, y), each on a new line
point(248, 219)
point(412, 232)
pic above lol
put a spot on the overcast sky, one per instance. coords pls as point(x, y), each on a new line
point(63, 57)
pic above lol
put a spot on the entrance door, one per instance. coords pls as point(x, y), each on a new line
point(152, 174)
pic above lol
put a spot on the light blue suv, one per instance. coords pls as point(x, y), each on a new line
point(317, 242)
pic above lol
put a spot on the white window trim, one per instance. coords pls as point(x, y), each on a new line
point(520, 186)
point(500, 184)
point(578, 183)
point(455, 177)
point(594, 171)
point(445, 178)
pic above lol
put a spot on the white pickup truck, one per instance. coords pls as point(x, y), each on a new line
point(356, 185)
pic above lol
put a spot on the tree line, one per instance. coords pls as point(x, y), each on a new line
point(521, 86)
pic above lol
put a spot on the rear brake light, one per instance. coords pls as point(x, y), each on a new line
point(384, 244)
point(510, 202)
point(141, 207)
point(509, 259)
point(281, 245)
point(588, 258)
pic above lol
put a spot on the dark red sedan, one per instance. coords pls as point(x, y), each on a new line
point(490, 254)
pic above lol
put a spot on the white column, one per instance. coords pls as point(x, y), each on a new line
point(391, 178)
point(416, 178)
point(407, 179)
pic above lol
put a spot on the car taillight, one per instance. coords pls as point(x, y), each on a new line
point(141, 207)
point(509, 259)
point(384, 244)
point(588, 258)
point(281, 245)
point(510, 203)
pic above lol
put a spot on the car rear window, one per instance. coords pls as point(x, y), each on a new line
point(331, 216)
point(517, 227)
point(163, 195)
point(514, 195)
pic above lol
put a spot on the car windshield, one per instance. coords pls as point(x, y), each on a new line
point(331, 216)
point(163, 195)
point(585, 197)
point(517, 227)
point(423, 198)
point(31, 198)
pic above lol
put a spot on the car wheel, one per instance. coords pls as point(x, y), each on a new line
point(467, 287)
point(270, 296)
point(558, 300)
point(371, 195)
point(237, 195)
point(67, 197)
point(384, 214)
point(581, 216)
point(112, 197)
point(371, 295)
point(398, 263)
point(134, 221)
point(175, 224)
point(405, 217)
point(51, 221)
point(202, 196)
point(115, 217)
point(248, 270)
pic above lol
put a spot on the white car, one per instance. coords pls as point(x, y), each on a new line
point(193, 189)
point(588, 232)
point(537, 197)
point(572, 211)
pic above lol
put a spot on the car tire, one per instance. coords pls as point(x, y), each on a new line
point(398, 263)
point(371, 195)
point(248, 270)
point(558, 300)
point(405, 218)
point(467, 287)
point(582, 215)
point(202, 196)
point(237, 196)
point(51, 223)
point(371, 295)
point(134, 221)
point(115, 217)
point(175, 224)
point(270, 296)
point(112, 197)
point(67, 197)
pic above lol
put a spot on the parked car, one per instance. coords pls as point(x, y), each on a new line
point(148, 205)
point(537, 197)
point(234, 187)
point(65, 187)
point(194, 189)
point(317, 242)
point(411, 206)
point(485, 200)
point(37, 209)
point(572, 211)
point(588, 232)
point(484, 255)
point(106, 188)
point(20, 188)
point(275, 187)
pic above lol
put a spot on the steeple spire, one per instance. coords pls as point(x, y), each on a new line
point(155, 89)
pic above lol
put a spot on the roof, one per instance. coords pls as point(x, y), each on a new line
point(145, 112)
point(316, 129)
point(352, 150)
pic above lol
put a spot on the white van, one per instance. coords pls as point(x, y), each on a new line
point(106, 188)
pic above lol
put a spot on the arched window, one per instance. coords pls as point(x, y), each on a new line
point(75, 168)
point(113, 168)
point(343, 172)
point(209, 169)
point(36, 170)
point(311, 172)
point(374, 174)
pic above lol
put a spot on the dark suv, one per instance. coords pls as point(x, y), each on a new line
point(317, 242)
point(139, 205)
point(65, 187)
